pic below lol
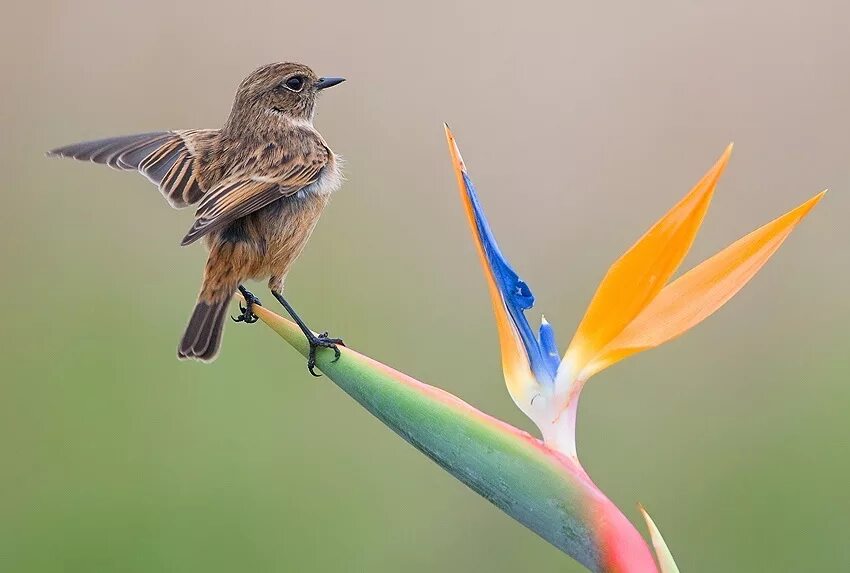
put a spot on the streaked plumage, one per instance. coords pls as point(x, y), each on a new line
point(260, 184)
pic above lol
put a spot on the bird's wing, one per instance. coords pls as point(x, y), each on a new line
point(167, 158)
point(236, 197)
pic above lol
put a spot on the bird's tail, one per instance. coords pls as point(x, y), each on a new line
point(202, 338)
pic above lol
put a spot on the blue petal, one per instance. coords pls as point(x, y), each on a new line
point(542, 353)
point(548, 345)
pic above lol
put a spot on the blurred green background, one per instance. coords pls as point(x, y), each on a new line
point(580, 123)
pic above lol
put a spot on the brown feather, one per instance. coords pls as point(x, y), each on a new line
point(269, 174)
point(166, 158)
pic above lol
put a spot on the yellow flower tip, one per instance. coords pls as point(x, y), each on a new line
point(457, 159)
point(662, 553)
point(713, 175)
point(814, 201)
point(645, 514)
point(789, 220)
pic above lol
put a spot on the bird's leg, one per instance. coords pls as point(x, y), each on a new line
point(247, 316)
point(320, 341)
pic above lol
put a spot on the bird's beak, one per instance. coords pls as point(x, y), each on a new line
point(328, 82)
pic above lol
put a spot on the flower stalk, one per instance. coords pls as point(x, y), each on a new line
point(541, 488)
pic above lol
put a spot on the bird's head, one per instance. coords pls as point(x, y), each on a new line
point(284, 90)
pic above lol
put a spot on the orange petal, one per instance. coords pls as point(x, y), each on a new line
point(516, 365)
point(640, 274)
point(694, 296)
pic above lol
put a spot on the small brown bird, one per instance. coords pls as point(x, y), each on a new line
point(260, 182)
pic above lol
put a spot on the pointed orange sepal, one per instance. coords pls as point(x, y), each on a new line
point(516, 365)
point(637, 277)
point(697, 294)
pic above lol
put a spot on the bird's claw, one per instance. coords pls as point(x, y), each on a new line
point(322, 341)
point(247, 316)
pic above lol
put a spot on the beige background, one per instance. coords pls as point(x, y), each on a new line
point(580, 122)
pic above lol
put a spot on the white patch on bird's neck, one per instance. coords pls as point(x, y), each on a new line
point(329, 181)
point(290, 121)
point(302, 122)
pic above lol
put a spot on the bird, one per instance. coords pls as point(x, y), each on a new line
point(259, 184)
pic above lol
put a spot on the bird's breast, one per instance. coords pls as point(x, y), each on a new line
point(329, 180)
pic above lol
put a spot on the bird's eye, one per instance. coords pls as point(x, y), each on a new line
point(295, 83)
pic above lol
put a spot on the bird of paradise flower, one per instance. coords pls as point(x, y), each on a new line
point(541, 483)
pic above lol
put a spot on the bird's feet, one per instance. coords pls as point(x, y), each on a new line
point(247, 316)
point(315, 342)
point(321, 341)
